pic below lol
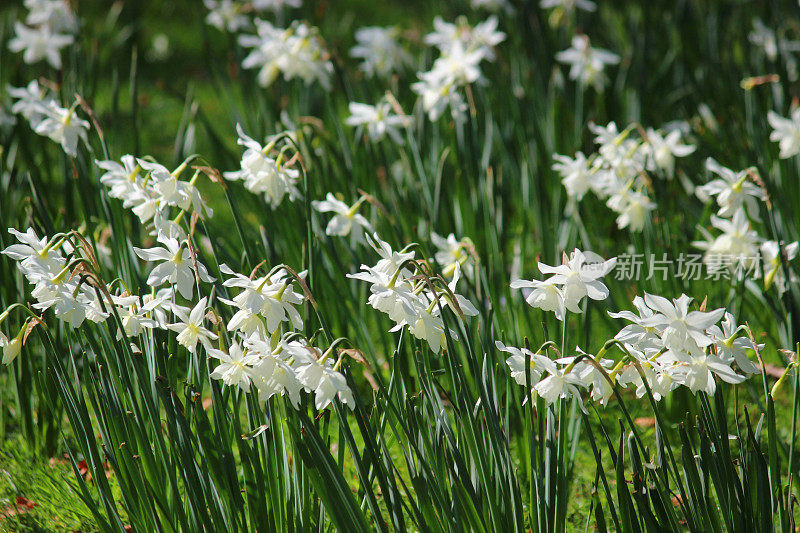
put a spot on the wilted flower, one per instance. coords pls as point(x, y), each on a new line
point(11, 347)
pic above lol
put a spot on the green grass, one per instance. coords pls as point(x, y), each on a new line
point(37, 493)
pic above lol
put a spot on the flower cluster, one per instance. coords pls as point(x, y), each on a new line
point(283, 367)
point(380, 53)
point(48, 118)
point(274, 177)
point(154, 193)
point(675, 346)
point(259, 354)
point(665, 346)
point(46, 265)
point(294, 52)
point(49, 26)
point(739, 196)
point(263, 303)
point(617, 172)
point(232, 15)
point(461, 50)
point(412, 300)
point(577, 278)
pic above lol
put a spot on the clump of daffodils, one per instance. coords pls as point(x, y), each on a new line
point(267, 169)
point(294, 52)
point(380, 52)
point(48, 118)
point(461, 50)
point(159, 197)
point(734, 249)
point(283, 366)
point(49, 26)
point(265, 354)
point(618, 172)
point(665, 345)
point(264, 303)
point(401, 288)
point(568, 284)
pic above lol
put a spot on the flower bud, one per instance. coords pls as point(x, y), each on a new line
point(11, 349)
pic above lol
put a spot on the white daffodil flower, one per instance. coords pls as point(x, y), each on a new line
point(63, 126)
point(39, 43)
point(587, 64)
point(380, 53)
point(786, 132)
point(379, 121)
point(679, 328)
point(190, 329)
point(733, 191)
point(175, 268)
point(346, 219)
point(232, 367)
